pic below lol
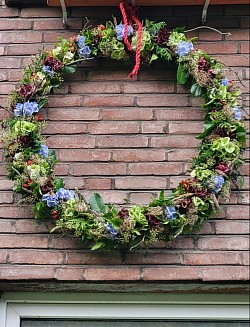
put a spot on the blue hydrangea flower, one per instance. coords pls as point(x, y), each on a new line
point(48, 70)
point(26, 108)
point(50, 199)
point(225, 82)
point(81, 41)
point(111, 230)
point(85, 51)
point(170, 213)
point(184, 47)
point(218, 181)
point(44, 150)
point(63, 194)
point(237, 113)
point(120, 31)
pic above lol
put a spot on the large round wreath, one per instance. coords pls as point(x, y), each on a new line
point(31, 163)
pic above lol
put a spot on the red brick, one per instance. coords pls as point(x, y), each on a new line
point(169, 100)
point(41, 12)
point(23, 241)
point(154, 127)
point(84, 155)
point(29, 226)
point(181, 155)
point(70, 142)
point(225, 273)
point(1, 51)
point(212, 258)
point(245, 258)
point(244, 47)
point(141, 197)
point(6, 197)
point(6, 185)
point(64, 101)
point(238, 212)
point(15, 75)
point(23, 49)
point(105, 75)
point(223, 243)
point(123, 273)
point(69, 273)
point(174, 141)
point(152, 257)
point(234, 60)
point(56, 24)
point(36, 257)
point(122, 142)
point(140, 183)
point(93, 258)
point(15, 212)
point(182, 243)
point(62, 169)
point(3, 75)
point(232, 227)
point(108, 101)
point(157, 75)
point(185, 128)
point(205, 35)
point(95, 87)
point(21, 37)
point(74, 182)
point(148, 87)
point(98, 184)
point(52, 37)
point(9, 12)
point(105, 169)
point(69, 242)
point(138, 155)
point(127, 114)
point(73, 114)
point(3, 256)
point(244, 22)
point(149, 168)
point(24, 272)
point(170, 273)
point(114, 128)
point(6, 62)
point(179, 114)
point(218, 48)
point(110, 196)
point(6, 226)
point(64, 128)
point(15, 24)
point(6, 88)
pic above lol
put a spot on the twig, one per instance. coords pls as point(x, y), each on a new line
point(11, 112)
point(208, 27)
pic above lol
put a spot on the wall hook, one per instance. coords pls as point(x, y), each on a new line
point(65, 14)
point(204, 11)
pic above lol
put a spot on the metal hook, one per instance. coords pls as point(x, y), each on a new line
point(65, 15)
point(204, 11)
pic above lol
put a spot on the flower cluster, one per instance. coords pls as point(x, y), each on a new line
point(31, 162)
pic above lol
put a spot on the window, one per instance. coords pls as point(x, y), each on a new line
point(123, 310)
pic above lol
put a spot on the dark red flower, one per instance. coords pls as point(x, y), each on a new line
point(223, 166)
point(55, 64)
point(163, 36)
point(123, 213)
point(25, 90)
point(46, 188)
point(153, 221)
point(203, 64)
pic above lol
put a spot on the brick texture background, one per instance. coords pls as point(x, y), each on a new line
point(122, 139)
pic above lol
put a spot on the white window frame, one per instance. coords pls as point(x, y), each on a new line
point(15, 306)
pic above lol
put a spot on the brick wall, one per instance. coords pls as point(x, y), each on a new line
point(122, 139)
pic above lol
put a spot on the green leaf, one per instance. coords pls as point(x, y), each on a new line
point(42, 102)
point(162, 195)
point(182, 76)
point(96, 203)
point(153, 57)
point(97, 246)
point(196, 90)
point(69, 69)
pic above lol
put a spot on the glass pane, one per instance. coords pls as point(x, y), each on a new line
point(130, 323)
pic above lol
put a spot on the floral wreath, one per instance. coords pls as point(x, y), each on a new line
point(31, 164)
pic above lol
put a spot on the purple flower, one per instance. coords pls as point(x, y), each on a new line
point(237, 113)
point(50, 199)
point(225, 82)
point(184, 47)
point(120, 31)
point(85, 51)
point(111, 230)
point(218, 182)
point(81, 41)
point(44, 150)
point(170, 213)
point(63, 194)
point(48, 70)
point(26, 108)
